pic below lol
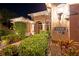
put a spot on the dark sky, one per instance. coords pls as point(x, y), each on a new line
point(23, 8)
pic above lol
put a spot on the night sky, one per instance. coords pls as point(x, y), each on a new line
point(22, 9)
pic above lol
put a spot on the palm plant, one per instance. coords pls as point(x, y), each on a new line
point(68, 47)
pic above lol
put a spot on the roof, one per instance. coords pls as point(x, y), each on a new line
point(21, 19)
point(39, 13)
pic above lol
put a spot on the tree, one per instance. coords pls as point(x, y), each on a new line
point(5, 16)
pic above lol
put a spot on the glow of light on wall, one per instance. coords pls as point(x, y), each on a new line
point(64, 8)
point(48, 5)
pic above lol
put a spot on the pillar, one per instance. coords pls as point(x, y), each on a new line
point(43, 26)
point(32, 29)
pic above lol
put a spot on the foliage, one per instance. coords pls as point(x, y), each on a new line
point(11, 38)
point(4, 41)
point(34, 45)
point(10, 50)
point(68, 47)
point(4, 38)
point(4, 32)
point(6, 15)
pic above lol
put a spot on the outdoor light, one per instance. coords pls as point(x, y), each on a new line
point(59, 15)
point(67, 18)
point(48, 5)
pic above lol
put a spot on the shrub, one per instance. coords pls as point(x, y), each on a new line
point(12, 38)
point(34, 45)
point(3, 32)
point(10, 50)
point(4, 40)
point(68, 47)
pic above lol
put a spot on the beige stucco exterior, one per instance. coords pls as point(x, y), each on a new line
point(59, 21)
point(60, 26)
point(29, 24)
point(63, 16)
point(40, 21)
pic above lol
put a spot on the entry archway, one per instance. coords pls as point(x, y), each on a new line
point(38, 27)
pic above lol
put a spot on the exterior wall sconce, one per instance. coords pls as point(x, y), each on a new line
point(67, 18)
point(59, 15)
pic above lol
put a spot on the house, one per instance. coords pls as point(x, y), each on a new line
point(64, 21)
point(40, 21)
point(60, 24)
point(64, 24)
point(28, 23)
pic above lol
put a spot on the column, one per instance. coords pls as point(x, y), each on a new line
point(43, 26)
point(32, 29)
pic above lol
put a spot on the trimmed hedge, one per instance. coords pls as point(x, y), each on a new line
point(35, 45)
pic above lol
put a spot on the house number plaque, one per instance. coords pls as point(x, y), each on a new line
point(61, 30)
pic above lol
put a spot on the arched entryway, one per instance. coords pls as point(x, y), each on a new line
point(47, 26)
point(38, 27)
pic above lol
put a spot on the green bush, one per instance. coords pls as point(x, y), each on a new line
point(34, 46)
point(4, 40)
point(3, 32)
point(10, 50)
point(12, 38)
